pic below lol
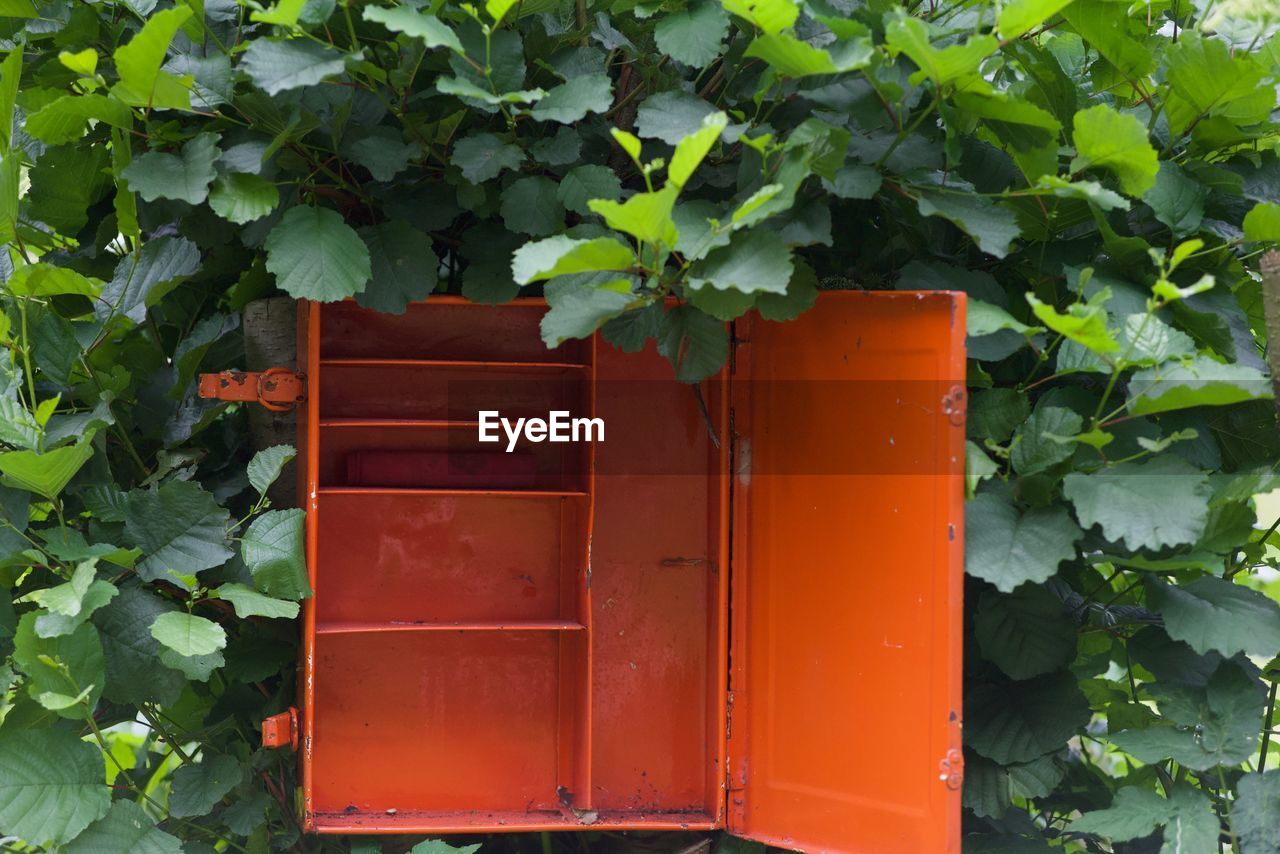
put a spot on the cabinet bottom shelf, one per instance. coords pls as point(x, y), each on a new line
point(485, 821)
point(366, 627)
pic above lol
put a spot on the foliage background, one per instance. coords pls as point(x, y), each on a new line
point(1100, 178)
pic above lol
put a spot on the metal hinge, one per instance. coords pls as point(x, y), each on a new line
point(282, 729)
point(277, 389)
point(952, 769)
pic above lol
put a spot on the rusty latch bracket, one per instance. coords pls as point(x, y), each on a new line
point(282, 729)
point(278, 389)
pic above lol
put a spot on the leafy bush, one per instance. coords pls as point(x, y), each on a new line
point(1098, 178)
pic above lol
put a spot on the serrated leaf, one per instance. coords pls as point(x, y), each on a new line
point(51, 785)
point(1118, 143)
point(1084, 323)
point(187, 634)
point(531, 206)
point(134, 673)
point(578, 308)
point(644, 216)
point(186, 177)
point(755, 261)
point(484, 156)
point(45, 474)
point(771, 16)
point(315, 255)
point(1162, 501)
point(242, 197)
point(67, 664)
point(272, 549)
point(413, 23)
point(695, 343)
point(671, 116)
point(278, 65)
point(1187, 817)
point(404, 266)
point(1020, 16)
point(1197, 382)
point(560, 255)
point(250, 603)
point(584, 183)
point(46, 280)
point(691, 150)
point(197, 788)
point(180, 528)
point(1253, 815)
point(125, 828)
point(1025, 633)
point(942, 66)
point(1262, 223)
point(1177, 200)
point(1102, 28)
point(1216, 615)
point(66, 119)
point(1008, 548)
point(1019, 721)
point(267, 464)
point(571, 101)
point(142, 83)
point(992, 227)
point(693, 36)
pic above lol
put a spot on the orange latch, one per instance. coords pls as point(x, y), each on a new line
point(278, 389)
point(279, 730)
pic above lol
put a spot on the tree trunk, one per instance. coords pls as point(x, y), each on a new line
point(271, 340)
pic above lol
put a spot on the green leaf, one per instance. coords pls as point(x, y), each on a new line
point(180, 528)
point(51, 785)
point(413, 23)
point(67, 664)
point(531, 206)
point(143, 277)
point(671, 116)
point(1020, 721)
point(46, 280)
point(250, 603)
point(771, 16)
point(315, 255)
point(1026, 633)
point(241, 197)
point(45, 474)
point(645, 216)
point(142, 83)
point(65, 181)
point(1198, 382)
point(134, 672)
point(691, 150)
point(157, 175)
point(571, 101)
point(1262, 223)
point(1100, 25)
point(983, 318)
point(383, 152)
point(995, 412)
point(1084, 323)
point(404, 266)
point(1253, 815)
point(578, 308)
point(992, 226)
point(1189, 822)
point(197, 788)
point(560, 255)
point(1162, 501)
point(802, 293)
point(283, 13)
point(1087, 191)
point(265, 467)
point(695, 36)
point(66, 119)
point(1034, 451)
point(791, 57)
point(754, 261)
point(1008, 549)
point(1216, 615)
point(10, 80)
point(126, 827)
point(1020, 16)
point(1118, 143)
point(187, 634)
point(277, 65)
point(1177, 200)
point(584, 183)
point(1207, 724)
point(696, 344)
point(483, 156)
point(855, 181)
point(272, 549)
point(911, 36)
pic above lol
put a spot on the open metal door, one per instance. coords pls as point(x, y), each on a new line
point(847, 569)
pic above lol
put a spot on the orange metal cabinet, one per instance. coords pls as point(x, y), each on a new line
point(738, 612)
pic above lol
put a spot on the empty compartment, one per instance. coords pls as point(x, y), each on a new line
point(362, 388)
point(444, 329)
point(443, 455)
point(467, 559)
point(435, 722)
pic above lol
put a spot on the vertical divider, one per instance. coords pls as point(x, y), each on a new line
point(577, 517)
point(309, 475)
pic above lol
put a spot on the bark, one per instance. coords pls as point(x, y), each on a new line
point(270, 340)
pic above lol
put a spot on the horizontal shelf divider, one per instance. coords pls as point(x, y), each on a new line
point(453, 363)
point(362, 627)
point(421, 423)
point(490, 493)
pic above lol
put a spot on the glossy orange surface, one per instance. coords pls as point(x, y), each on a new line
point(545, 644)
